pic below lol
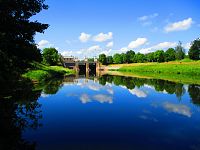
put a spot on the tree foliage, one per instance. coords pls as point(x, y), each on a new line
point(194, 51)
point(150, 57)
point(124, 58)
point(159, 56)
point(17, 47)
point(140, 58)
point(102, 59)
point(117, 59)
point(159, 85)
point(130, 55)
point(50, 56)
point(109, 59)
point(170, 55)
point(180, 52)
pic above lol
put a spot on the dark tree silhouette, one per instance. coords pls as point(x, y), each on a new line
point(194, 52)
point(17, 47)
point(194, 92)
point(19, 111)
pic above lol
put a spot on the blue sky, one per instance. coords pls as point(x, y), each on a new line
point(90, 27)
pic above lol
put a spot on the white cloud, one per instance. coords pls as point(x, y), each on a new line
point(101, 37)
point(92, 49)
point(85, 98)
point(110, 90)
point(147, 23)
point(103, 98)
point(163, 45)
point(88, 52)
point(43, 95)
point(187, 46)
point(147, 20)
point(94, 87)
point(42, 44)
point(110, 44)
point(123, 50)
point(147, 17)
point(84, 37)
point(106, 52)
point(178, 109)
point(143, 18)
point(179, 26)
point(137, 43)
point(138, 92)
point(67, 53)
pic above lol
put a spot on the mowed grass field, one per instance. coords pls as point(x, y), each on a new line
point(39, 72)
point(186, 71)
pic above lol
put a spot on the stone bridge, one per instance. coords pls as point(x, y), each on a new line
point(80, 65)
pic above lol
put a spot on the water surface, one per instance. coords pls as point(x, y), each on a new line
point(110, 112)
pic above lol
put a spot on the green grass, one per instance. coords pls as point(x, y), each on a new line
point(39, 72)
point(186, 71)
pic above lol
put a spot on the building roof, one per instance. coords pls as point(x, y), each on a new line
point(68, 57)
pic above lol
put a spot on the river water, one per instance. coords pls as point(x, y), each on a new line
point(110, 112)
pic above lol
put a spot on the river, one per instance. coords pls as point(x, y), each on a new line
point(105, 113)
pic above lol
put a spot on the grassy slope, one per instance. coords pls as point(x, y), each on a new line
point(185, 71)
point(39, 72)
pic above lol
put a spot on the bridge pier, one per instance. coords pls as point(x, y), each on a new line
point(87, 67)
point(72, 62)
point(97, 66)
point(76, 67)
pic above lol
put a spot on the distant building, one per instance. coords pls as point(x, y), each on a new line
point(86, 64)
point(69, 61)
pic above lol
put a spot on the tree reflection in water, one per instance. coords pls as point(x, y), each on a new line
point(194, 91)
point(20, 110)
point(159, 85)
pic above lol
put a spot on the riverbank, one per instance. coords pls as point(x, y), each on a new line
point(178, 71)
point(39, 72)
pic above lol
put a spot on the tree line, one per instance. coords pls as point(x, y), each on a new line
point(159, 85)
point(177, 53)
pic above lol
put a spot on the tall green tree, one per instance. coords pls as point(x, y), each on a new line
point(124, 58)
point(150, 57)
point(91, 59)
point(194, 51)
point(159, 56)
point(50, 56)
point(118, 59)
point(109, 59)
point(102, 59)
point(180, 52)
point(170, 55)
point(17, 46)
point(130, 56)
point(139, 58)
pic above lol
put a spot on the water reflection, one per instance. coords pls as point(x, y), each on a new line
point(178, 108)
point(109, 112)
point(19, 110)
point(194, 91)
point(134, 86)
